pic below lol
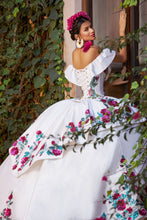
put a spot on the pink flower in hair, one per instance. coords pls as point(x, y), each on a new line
point(71, 20)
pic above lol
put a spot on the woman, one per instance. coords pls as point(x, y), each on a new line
point(50, 183)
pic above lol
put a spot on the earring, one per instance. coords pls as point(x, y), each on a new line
point(80, 43)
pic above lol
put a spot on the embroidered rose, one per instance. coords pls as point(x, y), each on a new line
point(136, 116)
point(116, 195)
point(57, 152)
point(53, 142)
point(112, 103)
point(24, 160)
point(103, 100)
point(142, 212)
point(92, 118)
point(38, 132)
point(129, 209)
point(121, 205)
point(80, 124)
point(106, 118)
point(14, 167)
point(14, 151)
point(7, 212)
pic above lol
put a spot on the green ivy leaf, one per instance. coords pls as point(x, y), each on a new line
point(134, 85)
point(39, 82)
point(121, 179)
point(15, 11)
point(53, 14)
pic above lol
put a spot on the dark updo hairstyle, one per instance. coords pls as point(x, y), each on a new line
point(76, 26)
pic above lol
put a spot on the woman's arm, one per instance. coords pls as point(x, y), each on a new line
point(121, 57)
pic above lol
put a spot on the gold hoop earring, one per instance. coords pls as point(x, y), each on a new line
point(80, 43)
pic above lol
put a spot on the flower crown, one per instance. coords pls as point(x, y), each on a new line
point(71, 20)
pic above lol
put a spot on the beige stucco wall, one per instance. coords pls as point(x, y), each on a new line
point(70, 7)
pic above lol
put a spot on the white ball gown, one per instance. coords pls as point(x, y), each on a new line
point(51, 183)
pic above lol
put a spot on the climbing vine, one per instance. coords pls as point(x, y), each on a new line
point(31, 64)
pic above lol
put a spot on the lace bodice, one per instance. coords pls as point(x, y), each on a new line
point(91, 78)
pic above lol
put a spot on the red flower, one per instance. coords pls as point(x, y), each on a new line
point(104, 178)
point(92, 118)
point(132, 174)
point(7, 212)
point(63, 137)
point(38, 132)
point(136, 116)
point(53, 142)
point(10, 197)
point(23, 138)
point(142, 212)
point(129, 209)
point(122, 160)
point(121, 205)
point(24, 160)
point(116, 195)
point(103, 100)
point(80, 124)
point(87, 121)
point(14, 151)
point(42, 147)
point(57, 152)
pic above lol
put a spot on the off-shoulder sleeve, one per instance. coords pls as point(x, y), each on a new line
point(103, 61)
point(70, 74)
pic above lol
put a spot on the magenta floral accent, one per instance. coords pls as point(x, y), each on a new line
point(132, 174)
point(71, 20)
point(122, 160)
point(142, 212)
point(87, 121)
point(24, 160)
point(87, 45)
point(38, 132)
point(104, 178)
point(42, 147)
point(10, 196)
point(105, 112)
point(57, 152)
point(130, 210)
point(136, 116)
point(112, 103)
point(87, 111)
point(116, 111)
point(80, 124)
point(73, 128)
point(53, 142)
point(116, 196)
point(15, 143)
point(92, 118)
point(101, 218)
point(121, 205)
point(23, 139)
point(106, 118)
point(7, 212)
point(63, 137)
point(136, 187)
point(14, 151)
point(103, 100)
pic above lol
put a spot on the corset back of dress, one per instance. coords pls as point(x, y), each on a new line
point(90, 84)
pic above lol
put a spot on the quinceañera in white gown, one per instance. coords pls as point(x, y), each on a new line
point(40, 179)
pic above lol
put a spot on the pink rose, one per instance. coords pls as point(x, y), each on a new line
point(104, 178)
point(121, 205)
point(122, 160)
point(14, 151)
point(136, 116)
point(38, 132)
point(24, 160)
point(7, 212)
point(57, 152)
point(14, 167)
point(104, 111)
point(53, 142)
point(10, 197)
point(87, 111)
point(142, 212)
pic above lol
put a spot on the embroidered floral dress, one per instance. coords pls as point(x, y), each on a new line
point(51, 183)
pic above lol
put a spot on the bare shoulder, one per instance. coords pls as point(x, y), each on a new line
point(94, 51)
